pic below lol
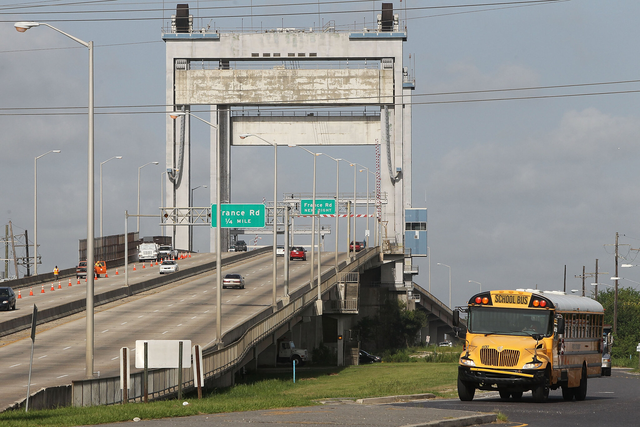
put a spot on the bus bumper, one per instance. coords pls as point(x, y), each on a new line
point(486, 378)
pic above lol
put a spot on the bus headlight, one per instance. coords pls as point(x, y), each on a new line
point(532, 365)
point(467, 362)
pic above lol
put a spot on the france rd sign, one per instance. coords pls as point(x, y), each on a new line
point(239, 215)
point(323, 206)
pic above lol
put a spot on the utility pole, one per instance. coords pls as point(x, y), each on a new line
point(615, 296)
point(585, 275)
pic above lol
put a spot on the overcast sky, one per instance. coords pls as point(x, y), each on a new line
point(535, 172)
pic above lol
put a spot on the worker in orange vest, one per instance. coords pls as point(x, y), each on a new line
point(55, 273)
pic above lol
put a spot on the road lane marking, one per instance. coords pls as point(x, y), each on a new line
point(193, 317)
point(106, 330)
point(123, 323)
point(42, 357)
point(180, 324)
point(62, 376)
point(140, 317)
point(66, 348)
point(164, 332)
point(206, 312)
point(115, 358)
point(13, 366)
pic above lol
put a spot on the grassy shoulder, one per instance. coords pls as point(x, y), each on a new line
point(265, 391)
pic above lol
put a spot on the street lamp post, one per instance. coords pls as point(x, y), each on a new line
point(22, 27)
point(353, 240)
point(162, 199)
point(449, 281)
point(368, 232)
point(337, 203)
point(114, 157)
point(473, 281)
point(35, 209)
point(275, 214)
point(313, 229)
point(191, 225)
point(140, 168)
point(174, 115)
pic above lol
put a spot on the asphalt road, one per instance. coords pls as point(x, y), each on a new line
point(183, 310)
point(611, 401)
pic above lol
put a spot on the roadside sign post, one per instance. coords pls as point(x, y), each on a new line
point(34, 320)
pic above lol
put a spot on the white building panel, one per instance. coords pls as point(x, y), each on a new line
point(299, 87)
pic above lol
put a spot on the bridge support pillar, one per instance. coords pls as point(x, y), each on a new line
point(341, 328)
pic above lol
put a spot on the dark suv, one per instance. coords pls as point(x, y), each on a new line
point(241, 246)
point(7, 298)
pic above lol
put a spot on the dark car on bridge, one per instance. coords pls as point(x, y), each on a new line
point(7, 298)
point(241, 246)
point(365, 358)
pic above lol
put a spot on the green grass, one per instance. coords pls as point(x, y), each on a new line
point(261, 392)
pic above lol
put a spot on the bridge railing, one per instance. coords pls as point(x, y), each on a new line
point(216, 362)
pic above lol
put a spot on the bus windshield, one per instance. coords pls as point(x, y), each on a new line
point(510, 321)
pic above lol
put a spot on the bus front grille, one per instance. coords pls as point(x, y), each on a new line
point(493, 357)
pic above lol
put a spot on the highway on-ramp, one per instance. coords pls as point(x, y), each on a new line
point(184, 310)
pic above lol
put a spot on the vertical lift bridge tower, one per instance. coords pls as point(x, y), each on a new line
point(227, 73)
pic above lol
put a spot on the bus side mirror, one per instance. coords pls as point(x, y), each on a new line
point(456, 318)
point(560, 326)
point(460, 332)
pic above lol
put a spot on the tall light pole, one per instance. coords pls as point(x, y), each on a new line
point(162, 198)
point(114, 157)
point(337, 204)
point(191, 225)
point(35, 209)
point(139, 169)
point(313, 228)
point(473, 281)
point(22, 27)
point(274, 260)
point(449, 281)
point(174, 115)
point(355, 169)
point(368, 172)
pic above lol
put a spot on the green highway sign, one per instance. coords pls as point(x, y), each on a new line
point(239, 215)
point(323, 206)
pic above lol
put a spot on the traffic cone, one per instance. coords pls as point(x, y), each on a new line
point(30, 292)
point(19, 294)
point(106, 275)
point(134, 267)
point(42, 291)
point(116, 271)
point(156, 262)
point(59, 285)
point(189, 254)
point(78, 281)
point(144, 265)
point(69, 282)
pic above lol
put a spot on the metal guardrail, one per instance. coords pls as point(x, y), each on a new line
point(216, 362)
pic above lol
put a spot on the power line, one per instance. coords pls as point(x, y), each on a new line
point(264, 15)
point(521, 98)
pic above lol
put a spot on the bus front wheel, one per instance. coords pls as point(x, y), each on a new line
point(466, 390)
point(540, 393)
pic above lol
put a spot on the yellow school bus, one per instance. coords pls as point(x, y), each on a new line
point(522, 340)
